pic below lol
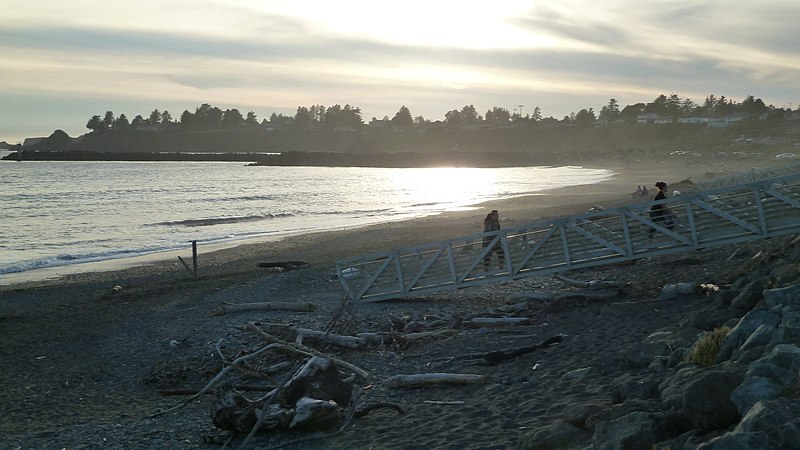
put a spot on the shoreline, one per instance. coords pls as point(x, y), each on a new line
point(326, 246)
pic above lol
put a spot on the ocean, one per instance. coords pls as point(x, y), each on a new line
point(63, 213)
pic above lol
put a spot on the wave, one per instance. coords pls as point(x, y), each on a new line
point(220, 220)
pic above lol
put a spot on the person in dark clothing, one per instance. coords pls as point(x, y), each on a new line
point(660, 212)
point(492, 223)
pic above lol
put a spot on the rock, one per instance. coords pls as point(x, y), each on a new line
point(788, 331)
point(706, 401)
point(308, 411)
point(781, 365)
point(750, 295)
point(753, 390)
point(634, 431)
point(747, 356)
point(759, 338)
point(777, 419)
point(711, 318)
point(642, 353)
point(577, 414)
point(558, 434)
point(317, 379)
point(746, 326)
point(625, 388)
point(671, 389)
point(737, 441)
point(678, 441)
point(787, 296)
point(724, 298)
point(578, 374)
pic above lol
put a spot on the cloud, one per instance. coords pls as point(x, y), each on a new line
point(431, 57)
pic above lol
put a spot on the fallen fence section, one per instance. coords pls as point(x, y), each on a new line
point(726, 215)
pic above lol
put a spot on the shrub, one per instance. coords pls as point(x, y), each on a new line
point(705, 351)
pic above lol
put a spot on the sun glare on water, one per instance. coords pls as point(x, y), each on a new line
point(452, 186)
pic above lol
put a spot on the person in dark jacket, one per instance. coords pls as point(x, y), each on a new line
point(492, 223)
point(660, 212)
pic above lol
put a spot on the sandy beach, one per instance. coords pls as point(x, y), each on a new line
point(85, 354)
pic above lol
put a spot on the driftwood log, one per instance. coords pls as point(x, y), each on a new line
point(433, 379)
point(498, 356)
point(413, 337)
point(283, 265)
point(307, 351)
point(227, 308)
point(489, 322)
point(320, 336)
point(593, 284)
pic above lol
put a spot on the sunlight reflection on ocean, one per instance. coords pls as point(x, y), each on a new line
point(59, 213)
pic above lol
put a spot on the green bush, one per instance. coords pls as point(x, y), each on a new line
point(705, 351)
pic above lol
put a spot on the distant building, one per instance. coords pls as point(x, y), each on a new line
point(653, 118)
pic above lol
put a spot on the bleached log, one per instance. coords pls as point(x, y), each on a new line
point(434, 379)
point(577, 295)
point(413, 337)
point(302, 333)
point(514, 308)
point(226, 308)
point(489, 322)
point(594, 284)
point(307, 351)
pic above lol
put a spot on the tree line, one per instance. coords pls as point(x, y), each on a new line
point(348, 117)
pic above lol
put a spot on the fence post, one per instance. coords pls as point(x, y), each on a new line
point(193, 269)
point(194, 258)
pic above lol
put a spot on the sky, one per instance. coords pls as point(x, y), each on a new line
point(62, 62)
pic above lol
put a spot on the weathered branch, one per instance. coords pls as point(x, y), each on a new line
point(489, 322)
point(413, 337)
point(301, 333)
point(499, 356)
point(306, 351)
point(433, 379)
point(227, 308)
point(594, 284)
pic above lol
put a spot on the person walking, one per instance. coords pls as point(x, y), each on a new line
point(492, 223)
point(660, 212)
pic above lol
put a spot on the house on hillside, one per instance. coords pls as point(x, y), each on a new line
point(653, 118)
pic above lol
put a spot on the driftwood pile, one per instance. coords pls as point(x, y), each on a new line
point(286, 383)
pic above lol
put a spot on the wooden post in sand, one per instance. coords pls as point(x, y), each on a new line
point(193, 269)
point(194, 258)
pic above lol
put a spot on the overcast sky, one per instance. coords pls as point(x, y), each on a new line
point(61, 62)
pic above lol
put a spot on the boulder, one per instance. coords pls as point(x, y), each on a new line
point(558, 434)
point(627, 387)
point(781, 365)
point(672, 388)
point(753, 390)
point(746, 326)
point(706, 401)
point(777, 418)
point(737, 441)
point(642, 353)
point(788, 331)
point(577, 414)
point(758, 338)
point(711, 318)
point(750, 295)
point(786, 296)
point(634, 431)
